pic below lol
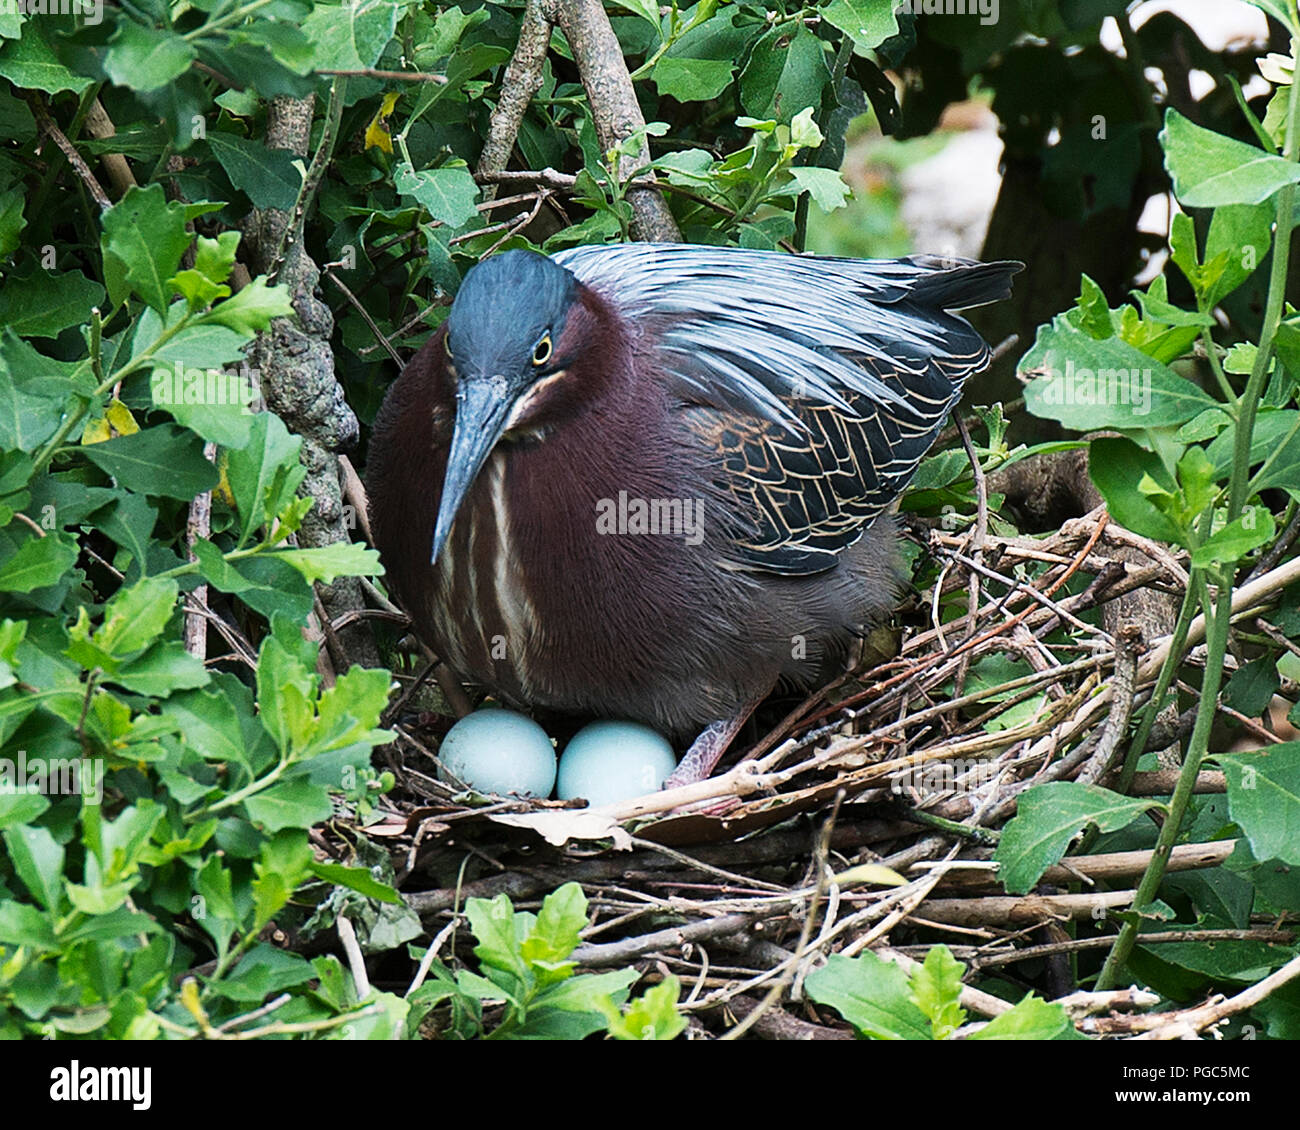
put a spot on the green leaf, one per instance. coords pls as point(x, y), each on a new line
point(38, 563)
point(143, 241)
point(264, 474)
point(1048, 817)
point(556, 932)
point(692, 80)
point(30, 64)
point(356, 879)
point(1264, 799)
point(493, 924)
point(1283, 468)
point(136, 616)
point(22, 925)
point(164, 460)
point(325, 563)
point(1253, 686)
point(292, 804)
point(1117, 466)
point(285, 696)
point(12, 221)
point(164, 668)
point(214, 259)
point(653, 1015)
point(867, 22)
point(41, 304)
point(448, 193)
point(825, 186)
point(264, 972)
point(266, 176)
point(38, 860)
point(214, 403)
point(646, 9)
point(349, 37)
point(19, 808)
point(1094, 311)
point(266, 584)
point(1242, 234)
point(209, 726)
point(1210, 170)
point(871, 994)
point(1031, 1019)
point(145, 58)
point(1156, 306)
point(1268, 440)
point(27, 419)
point(216, 911)
point(284, 862)
point(936, 989)
point(1088, 384)
point(250, 311)
point(786, 73)
point(1229, 545)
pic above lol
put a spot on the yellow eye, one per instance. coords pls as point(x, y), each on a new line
point(542, 350)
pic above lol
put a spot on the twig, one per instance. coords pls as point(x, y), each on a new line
point(395, 76)
point(1078, 945)
point(628, 949)
point(1188, 1024)
point(50, 128)
point(354, 494)
point(977, 541)
point(365, 314)
point(198, 525)
point(356, 963)
point(1251, 594)
point(1128, 643)
point(789, 968)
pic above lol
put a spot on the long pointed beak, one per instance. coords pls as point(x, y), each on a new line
point(482, 408)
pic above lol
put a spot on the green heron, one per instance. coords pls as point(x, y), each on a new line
point(650, 481)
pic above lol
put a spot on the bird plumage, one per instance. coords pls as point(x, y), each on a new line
point(790, 397)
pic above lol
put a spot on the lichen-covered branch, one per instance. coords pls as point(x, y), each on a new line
point(614, 109)
point(296, 364)
point(521, 81)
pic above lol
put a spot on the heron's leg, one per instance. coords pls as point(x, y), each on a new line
point(707, 750)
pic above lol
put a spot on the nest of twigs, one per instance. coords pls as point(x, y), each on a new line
point(737, 885)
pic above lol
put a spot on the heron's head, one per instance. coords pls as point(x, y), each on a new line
point(503, 345)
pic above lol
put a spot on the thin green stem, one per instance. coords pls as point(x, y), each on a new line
point(1216, 367)
point(1272, 317)
point(1220, 617)
point(1246, 112)
point(73, 418)
point(225, 21)
point(96, 345)
point(1272, 456)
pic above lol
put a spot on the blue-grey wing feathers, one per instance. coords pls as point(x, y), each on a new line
point(820, 381)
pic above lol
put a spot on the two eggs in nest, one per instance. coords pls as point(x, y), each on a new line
point(499, 751)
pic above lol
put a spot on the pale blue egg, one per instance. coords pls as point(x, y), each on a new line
point(612, 761)
point(499, 751)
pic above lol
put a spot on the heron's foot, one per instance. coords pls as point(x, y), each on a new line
point(706, 751)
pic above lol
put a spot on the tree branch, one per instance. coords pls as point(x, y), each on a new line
point(521, 81)
point(614, 109)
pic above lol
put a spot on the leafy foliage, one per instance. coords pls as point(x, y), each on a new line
point(882, 1002)
point(525, 966)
